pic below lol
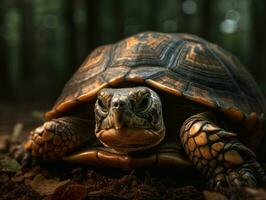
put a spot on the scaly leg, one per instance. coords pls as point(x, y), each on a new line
point(218, 154)
point(58, 137)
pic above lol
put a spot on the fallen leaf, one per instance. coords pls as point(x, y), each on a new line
point(3, 142)
point(19, 178)
point(27, 182)
point(9, 165)
point(29, 174)
point(209, 195)
point(4, 178)
point(257, 194)
point(68, 192)
point(17, 131)
point(46, 186)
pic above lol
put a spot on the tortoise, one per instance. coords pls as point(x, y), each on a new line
point(158, 100)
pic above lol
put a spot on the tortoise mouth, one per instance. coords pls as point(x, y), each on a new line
point(126, 140)
point(106, 157)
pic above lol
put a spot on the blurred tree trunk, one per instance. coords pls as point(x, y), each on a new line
point(93, 27)
point(27, 40)
point(206, 21)
point(258, 65)
point(258, 68)
point(4, 75)
point(184, 19)
point(117, 9)
point(71, 37)
point(154, 5)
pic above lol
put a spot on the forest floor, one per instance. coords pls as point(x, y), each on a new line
point(56, 181)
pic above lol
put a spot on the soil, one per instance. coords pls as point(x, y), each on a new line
point(59, 180)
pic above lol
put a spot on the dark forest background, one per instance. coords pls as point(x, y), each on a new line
point(42, 42)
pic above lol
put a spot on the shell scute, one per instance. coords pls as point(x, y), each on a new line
point(181, 64)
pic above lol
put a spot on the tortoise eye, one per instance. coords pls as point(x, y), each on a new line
point(102, 105)
point(144, 104)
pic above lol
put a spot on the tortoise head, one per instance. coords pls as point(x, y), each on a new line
point(129, 119)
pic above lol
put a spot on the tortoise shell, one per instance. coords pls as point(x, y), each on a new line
point(180, 64)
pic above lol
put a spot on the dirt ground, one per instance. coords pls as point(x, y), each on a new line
point(56, 181)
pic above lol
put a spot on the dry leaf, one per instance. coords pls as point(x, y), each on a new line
point(214, 195)
point(3, 142)
point(17, 131)
point(4, 178)
point(27, 182)
point(46, 186)
point(69, 192)
point(29, 174)
point(9, 165)
point(257, 194)
point(17, 178)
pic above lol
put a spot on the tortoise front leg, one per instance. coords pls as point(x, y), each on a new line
point(218, 154)
point(58, 137)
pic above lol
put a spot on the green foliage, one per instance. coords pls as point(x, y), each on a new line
point(10, 165)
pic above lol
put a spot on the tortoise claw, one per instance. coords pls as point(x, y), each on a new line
point(21, 155)
point(47, 140)
point(57, 137)
point(218, 182)
point(235, 178)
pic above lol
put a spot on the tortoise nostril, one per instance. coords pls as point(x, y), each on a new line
point(119, 104)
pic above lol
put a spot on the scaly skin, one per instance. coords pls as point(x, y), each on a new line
point(218, 154)
point(58, 137)
point(129, 119)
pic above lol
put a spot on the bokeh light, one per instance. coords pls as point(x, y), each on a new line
point(189, 7)
point(230, 24)
point(169, 26)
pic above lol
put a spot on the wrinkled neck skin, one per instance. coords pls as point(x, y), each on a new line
point(129, 119)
